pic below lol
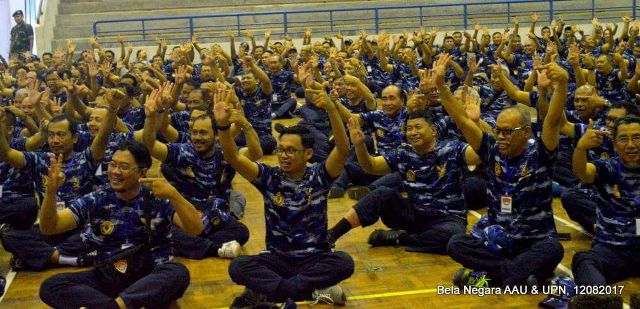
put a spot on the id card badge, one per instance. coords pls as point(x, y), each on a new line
point(505, 204)
point(637, 226)
point(99, 170)
point(126, 245)
point(1, 186)
point(369, 69)
point(274, 97)
point(60, 205)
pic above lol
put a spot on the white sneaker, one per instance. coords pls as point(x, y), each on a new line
point(230, 250)
point(333, 295)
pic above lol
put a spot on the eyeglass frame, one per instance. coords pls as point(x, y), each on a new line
point(511, 131)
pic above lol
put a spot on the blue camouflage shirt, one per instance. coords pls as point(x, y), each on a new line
point(110, 223)
point(431, 183)
point(257, 109)
point(618, 201)
point(16, 183)
point(281, 84)
point(527, 180)
point(389, 131)
point(295, 210)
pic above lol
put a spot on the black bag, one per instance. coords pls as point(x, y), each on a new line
point(135, 262)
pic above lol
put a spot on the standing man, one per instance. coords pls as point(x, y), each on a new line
point(21, 35)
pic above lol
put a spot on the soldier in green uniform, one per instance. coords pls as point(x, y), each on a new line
point(21, 35)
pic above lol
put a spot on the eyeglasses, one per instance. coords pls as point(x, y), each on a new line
point(125, 168)
point(57, 134)
point(508, 132)
point(625, 139)
point(288, 151)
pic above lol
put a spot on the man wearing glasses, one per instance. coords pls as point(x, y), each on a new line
point(30, 248)
point(616, 245)
point(519, 244)
point(298, 263)
point(113, 220)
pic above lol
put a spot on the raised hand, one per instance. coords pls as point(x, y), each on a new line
point(221, 108)
point(543, 80)
point(181, 74)
point(320, 98)
point(237, 116)
point(556, 73)
point(591, 138)
point(16, 111)
point(355, 131)
point(440, 68)
point(56, 178)
point(471, 105)
point(515, 20)
point(151, 103)
point(71, 47)
point(574, 55)
point(160, 187)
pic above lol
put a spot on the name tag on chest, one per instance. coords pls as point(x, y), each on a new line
point(506, 205)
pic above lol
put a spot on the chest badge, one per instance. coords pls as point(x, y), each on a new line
point(404, 195)
point(442, 170)
point(379, 133)
point(106, 228)
point(411, 175)
point(189, 172)
point(215, 221)
point(604, 156)
point(497, 169)
point(121, 266)
point(615, 191)
point(75, 183)
point(278, 199)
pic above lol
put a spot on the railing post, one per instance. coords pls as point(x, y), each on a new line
point(550, 10)
point(421, 17)
point(465, 16)
point(95, 28)
point(144, 32)
point(331, 21)
point(377, 26)
point(593, 9)
point(238, 24)
point(508, 12)
point(634, 8)
point(191, 27)
point(286, 23)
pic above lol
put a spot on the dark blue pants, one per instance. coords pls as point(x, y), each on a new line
point(20, 213)
point(604, 265)
point(35, 249)
point(280, 277)
point(429, 234)
point(580, 203)
point(529, 257)
point(166, 283)
point(474, 190)
point(322, 147)
point(267, 142)
point(284, 108)
point(208, 244)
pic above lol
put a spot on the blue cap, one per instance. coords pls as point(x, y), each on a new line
point(18, 12)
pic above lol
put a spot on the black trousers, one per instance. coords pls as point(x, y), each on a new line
point(202, 246)
point(580, 203)
point(267, 142)
point(20, 213)
point(529, 257)
point(604, 265)
point(35, 249)
point(283, 108)
point(281, 277)
point(429, 234)
point(166, 283)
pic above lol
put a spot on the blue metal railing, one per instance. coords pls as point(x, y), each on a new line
point(351, 20)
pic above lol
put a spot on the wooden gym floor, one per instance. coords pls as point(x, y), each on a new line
point(383, 278)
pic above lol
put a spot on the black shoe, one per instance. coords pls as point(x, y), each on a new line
point(357, 193)
point(336, 192)
point(248, 299)
point(16, 264)
point(595, 301)
point(3, 284)
point(380, 238)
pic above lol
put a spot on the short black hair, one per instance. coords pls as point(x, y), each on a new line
point(448, 37)
point(304, 133)
point(457, 32)
point(629, 107)
point(130, 90)
point(11, 118)
point(624, 120)
point(209, 116)
point(545, 27)
point(47, 53)
point(204, 92)
point(424, 114)
point(140, 153)
point(73, 125)
point(403, 95)
point(110, 52)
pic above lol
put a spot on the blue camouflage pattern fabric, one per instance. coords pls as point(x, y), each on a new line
point(16, 182)
point(611, 87)
point(281, 84)
point(214, 215)
point(403, 78)
point(257, 109)
point(135, 118)
point(180, 120)
point(431, 183)
point(618, 201)
point(375, 72)
point(79, 173)
point(199, 179)
point(108, 224)
point(354, 109)
point(389, 131)
point(527, 180)
point(493, 103)
point(295, 210)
